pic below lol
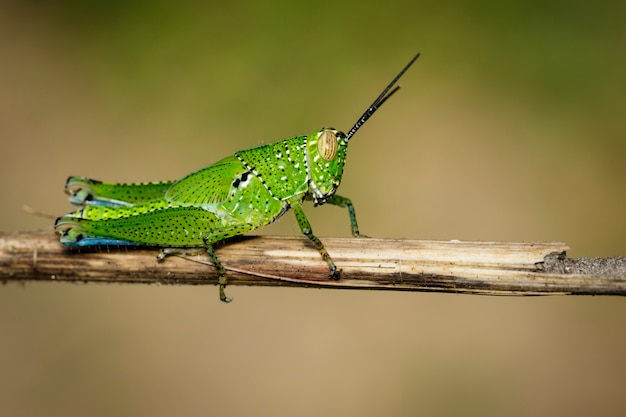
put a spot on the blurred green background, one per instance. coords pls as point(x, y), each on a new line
point(509, 127)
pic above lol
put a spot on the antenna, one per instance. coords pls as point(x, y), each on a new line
point(380, 100)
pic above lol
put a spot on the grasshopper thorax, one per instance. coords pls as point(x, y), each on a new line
point(326, 156)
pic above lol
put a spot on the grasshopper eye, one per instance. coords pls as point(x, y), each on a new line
point(327, 145)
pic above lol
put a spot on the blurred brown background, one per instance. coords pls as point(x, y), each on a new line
point(509, 127)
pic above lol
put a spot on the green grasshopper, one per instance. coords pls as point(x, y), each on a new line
point(238, 194)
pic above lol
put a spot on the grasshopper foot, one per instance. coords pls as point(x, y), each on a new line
point(223, 281)
point(165, 252)
point(223, 296)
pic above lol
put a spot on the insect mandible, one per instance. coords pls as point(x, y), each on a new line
point(235, 195)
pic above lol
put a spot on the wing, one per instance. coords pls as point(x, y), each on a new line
point(210, 185)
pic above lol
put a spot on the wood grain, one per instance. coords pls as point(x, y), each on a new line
point(489, 268)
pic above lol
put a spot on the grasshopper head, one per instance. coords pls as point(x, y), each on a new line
point(326, 157)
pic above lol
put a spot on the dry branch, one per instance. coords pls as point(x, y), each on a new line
point(489, 268)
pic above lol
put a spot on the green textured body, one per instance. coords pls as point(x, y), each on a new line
point(236, 195)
